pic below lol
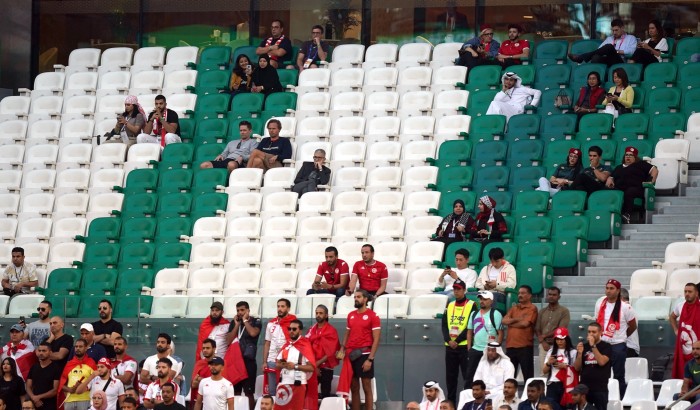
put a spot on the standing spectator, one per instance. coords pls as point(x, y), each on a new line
point(513, 97)
point(358, 351)
point(267, 402)
point(313, 51)
point(19, 276)
point(454, 227)
point(265, 78)
point(241, 75)
point(490, 224)
point(246, 329)
point(237, 152)
point(564, 175)
point(21, 350)
point(558, 360)
point(454, 333)
point(124, 367)
point(483, 326)
point(271, 151)
point(432, 396)
point(513, 50)
point(479, 393)
point(497, 276)
point(479, 50)
point(79, 368)
point(162, 127)
point(276, 335)
point(620, 97)
point(650, 50)
point(168, 393)
point(520, 321)
point(154, 394)
point(535, 396)
point(691, 374)
point(612, 50)
point(510, 395)
point(550, 318)
point(589, 96)
point(324, 342)
point(629, 177)
point(312, 174)
point(684, 318)
point(149, 370)
point(201, 367)
point(42, 381)
point(214, 327)
point(593, 177)
point(61, 343)
point(11, 384)
point(335, 273)
point(632, 341)
point(461, 272)
point(129, 123)
point(278, 47)
point(101, 380)
point(297, 366)
point(494, 369)
point(216, 393)
point(38, 331)
point(94, 350)
point(593, 365)
point(371, 274)
point(618, 322)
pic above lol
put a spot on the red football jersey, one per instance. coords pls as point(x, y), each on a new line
point(332, 276)
point(370, 276)
point(361, 326)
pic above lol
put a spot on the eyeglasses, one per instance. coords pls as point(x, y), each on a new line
point(102, 308)
point(40, 309)
point(488, 34)
point(292, 328)
point(316, 157)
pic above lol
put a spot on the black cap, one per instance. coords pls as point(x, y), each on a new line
point(217, 305)
point(216, 360)
point(459, 283)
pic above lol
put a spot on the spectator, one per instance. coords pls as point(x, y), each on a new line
point(691, 374)
point(237, 152)
point(107, 329)
point(324, 342)
point(490, 225)
point(168, 394)
point(162, 127)
point(620, 97)
point(454, 227)
point(549, 318)
point(497, 276)
point(558, 361)
point(535, 396)
point(593, 365)
point(124, 367)
point(312, 174)
point(19, 276)
point(102, 381)
point(130, 403)
point(483, 326)
point(444, 405)
point(133, 394)
point(632, 341)
point(461, 272)
point(265, 78)
point(593, 177)
point(19, 349)
point(509, 398)
point(334, 271)
point(272, 150)
point(241, 75)
point(276, 336)
point(297, 366)
point(479, 50)
point(129, 123)
point(513, 50)
point(564, 175)
point(94, 350)
point(520, 321)
point(412, 405)
point(79, 368)
point(61, 343)
point(150, 369)
point(432, 396)
point(99, 401)
point(612, 50)
point(313, 51)
point(216, 392)
point(589, 96)
point(513, 97)
point(479, 394)
point(11, 384)
point(578, 398)
point(246, 329)
point(629, 177)
point(685, 317)
point(267, 402)
point(39, 330)
point(494, 369)
point(454, 333)
point(27, 404)
point(201, 367)
point(42, 381)
point(371, 274)
point(154, 394)
point(214, 327)
point(649, 51)
point(277, 47)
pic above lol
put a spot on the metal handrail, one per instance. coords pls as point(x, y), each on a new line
point(692, 392)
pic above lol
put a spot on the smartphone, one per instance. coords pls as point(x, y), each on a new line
point(248, 67)
point(448, 267)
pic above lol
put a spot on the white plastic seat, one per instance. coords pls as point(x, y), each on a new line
point(101, 205)
point(385, 153)
point(36, 205)
point(382, 129)
point(24, 305)
point(415, 103)
point(643, 405)
point(332, 403)
point(11, 156)
point(77, 131)
point(80, 83)
point(637, 367)
point(381, 103)
point(422, 281)
point(199, 305)
point(418, 203)
point(449, 127)
point(79, 107)
point(414, 79)
point(71, 205)
point(242, 281)
point(445, 54)
point(43, 131)
point(313, 104)
point(420, 228)
point(279, 228)
point(206, 281)
point(10, 180)
point(347, 103)
point(66, 229)
point(380, 55)
point(386, 227)
point(447, 102)
point(351, 251)
point(170, 282)
point(179, 57)
point(315, 203)
point(13, 131)
point(62, 255)
point(179, 81)
point(8, 229)
point(109, 154)
point(347, 55)
point(680, 255)
point(46, 108)
point(397, 280)
point(243, 255)
point(391, 253)
point(417, 178)
point(244, 180)
point(278, 281)
point(345, 305)
point(311, 253)
point(269, 304)
point(243, 229)
point(669, 387)
point(74, 156)
point(380, 79)
point(391, 306)
point(346, 80)
point(207, 254)
point(181, 103)
point(313, 129)
point(108, 107)
point(34, 230)
point(278, 204)
point(417, 128)
point(677, 280)
point(278, 180)
point(350, 203)
point(172, 306)
point(348, 129)
point(427, 306)
point(638, 389)
point(116, 59)
point(312, 81)
point(647, 282)
point(423, 254)
point(143, 153)
point(348, 179)
point(244, 204)
point(279, 255)
point(682, 405)
point(9, 203)
point(150, 58)
point(349, 154)
point(208, 229)
point(103, 180)
point(36, 253)
point(692, 134)
point(49, 83)
point(38, 180)
point(254, 302)
point(113, 83)
point(447, 78)
point(414, 54)
point(350, 228)
point(146, 82)
point(72, 180)
point(14, 107)
point(671, 159)
point(306, 305)
point(81, 59)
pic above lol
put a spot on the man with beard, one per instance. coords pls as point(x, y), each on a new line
point(276, 335)
point(690, 376)
point(20, 349)
point(334, 271)
point(494, 369)
point(358, 350)
point(216, 393)
point(101, 380)
point(124, 367)
point(296, 362)
point(154, 392)
point(94, 350)
point(550, 318)
point(214, 327)
point(246, 329)
point(78, 369)
point(513, 97)
point(42, 381)
point(107, 329)
point(514, 49)
point(629, 177)
point(520, 321)
point(685, 321)
point(267, 402)
point(38, 331)
point(324, 342)
point(509, 397)
point(432, 396)
point(535, 396)
point(168, 393)
point(593, 364)
point(371, 274)
point(149, 371)
point(201, 367)
point(61, 343)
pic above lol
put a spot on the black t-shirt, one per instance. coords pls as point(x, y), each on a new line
point(63, 341)
point(171, 118)
point(249, 344)
point(284, 43)
point(12, 391)
point(310, 50)
point(631, 176)
point(174, 406)
point(42, 381)
point(108, 327)
point(594, 376)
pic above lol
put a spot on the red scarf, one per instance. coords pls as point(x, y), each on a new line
point(268, 43)
point(613, 323)
point(325, 343)
point(284, 323)
point(158, 128)
point(303, 345)
point(201, 368)
point(72, 363)
point(688, 329)
point(204, 331)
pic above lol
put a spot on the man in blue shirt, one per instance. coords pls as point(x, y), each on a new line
point(613, 49)
point(479, 50)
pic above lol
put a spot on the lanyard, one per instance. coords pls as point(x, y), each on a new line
point(312, 47)
point(18, 274)
point(622, 39)
point(461, 313)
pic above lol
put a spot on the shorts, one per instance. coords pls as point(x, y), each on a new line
point(357, 368)
point(222, 163)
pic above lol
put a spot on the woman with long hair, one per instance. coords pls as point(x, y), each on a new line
point(560, 357)
point(650, 50)
point(589, 96)
point(564, 175)
point(129, 123)
point(620, 97)
point(241, 76)
point(265, 78)
point(11, 385)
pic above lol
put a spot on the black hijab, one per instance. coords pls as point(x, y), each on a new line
point(267, 77)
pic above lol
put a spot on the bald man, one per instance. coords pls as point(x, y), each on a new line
point(413, 405)
point(61, 343)
point(691, 376)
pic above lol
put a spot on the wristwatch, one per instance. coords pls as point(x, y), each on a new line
point(296, 367)
point(371, 360)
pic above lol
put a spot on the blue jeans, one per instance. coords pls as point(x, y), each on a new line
point(338, 292)
point(272, 379)
point(619, 356)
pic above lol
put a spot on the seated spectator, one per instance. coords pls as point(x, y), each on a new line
point(334, 271)
point(162, 126)
point(461, 271)
point(277, 47)
point(509, 398)
point(564, 175)
point(312, 174)
point(272, 150)
point(619, 98)
point(237, 152)
point(497, 275)
point(589, 97)
point(494, 369)
point(371, 274)
point(593, 177)
point(578, 398)
point(455, 226)
point(479, 50)
point(650, 50)
point(479, 394)
point(630, 177)
point(514, 49)
point(19, 276)
point(612, 50)
point(241, 75)
point(432, 396)
point(535, 395)
point(129, 123)
point(265, 78)
point(691, 375)
point(490, 225)
point(513, 97)
point(558, 362)
point(313, 51)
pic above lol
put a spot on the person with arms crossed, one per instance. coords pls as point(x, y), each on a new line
point(107, 329)
point(324, 342)
point(215, 392)
point(520, 321)
point(277, 47)
point(549, 318)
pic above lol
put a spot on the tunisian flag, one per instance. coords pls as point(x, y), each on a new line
point(234, 365)
point(310, 401)
point(688, 328)
point(72, 363)
point(569, 379)
point(205, 329)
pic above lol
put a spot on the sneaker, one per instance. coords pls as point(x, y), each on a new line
point(575, 58)
point(626, 218)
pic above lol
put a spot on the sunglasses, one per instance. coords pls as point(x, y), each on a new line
point(292, 328)
point(41, 309)
point(103, 308)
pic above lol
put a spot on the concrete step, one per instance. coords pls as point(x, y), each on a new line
point(676, 200)
point(656, 227)
point(682, 210)
point(594, 271)
point(622, 263)
point(676, 219)
point(591, 284)
point(661, 236)
point(692, 191)
point(622, 253)
point(644, 244)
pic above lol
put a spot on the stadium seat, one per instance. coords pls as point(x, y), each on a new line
point(603, 213)
point(660, 75)
point(550, 52)
point(648, 308)
point(347, 55)
point(427, 306)
point(380, 55)
point(448, 78)
point(569, 236)
point(637, 390)
point(671, 158)
point(669, 387)
point(391, 306)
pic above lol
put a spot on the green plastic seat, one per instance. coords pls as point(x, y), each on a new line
point(170, 229)
point(170, 254)
point(180, 155)
point(447, 200)
point(175, 180)
point(691, 101)
point(174, 205)
point(662, 100)
point(66, 306)
point(685, 48)
point(525, 178)
point(556, 152)
point(62, 281)
point(631, 127)
point(525, 152)
point(207, 180)
point(129, 307)
point(214, 58)
point(207, 205)
point(234, 133)
point(493, 178)
point(138, 230)
point(141, 180)
point(569, 239)
point(249, 52)
point(484, 77)
point(246, 105)
point(634, 72)
point(558, 127)
point(187, 128)
point(288, 77)
point(510, 252)
point(547, 105)
point(453, 179)
point(213, 82)
point(131, 281)
point(550, 52)
point(579, 74)
point(585, 46)
point(488, 153)
point(138, 205)
point(603, 213)
point(486, 128)
point(609, 148)
point(535, 265)
point(99, 255)
point(645, 147)
point(664, 126)
point(89, 305)
point(99, 282)
point(479, 102)
point(523, 127)
point(689, 76)
point(211, 131)
point(532, 229)
point(137, 255)
point(102, 230)
point(553, 76)
point(452, 153)
point(525, 72)
point(277, 104)
point(504, 199)
point(530, 204)
point(595, 126)
point(568, 203)
point(659, 75)
point(474, 249)
point(211, 106)
point(206, 152)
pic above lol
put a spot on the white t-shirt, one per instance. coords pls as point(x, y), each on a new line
point(494, 272)
point(152, 362)
point(678, 309)
point(275, 335)
point(562, 357)
point(153, 392)
point(125, 366)
point(626, 315)
point(218, 334)
point(215, 393)
point(288, 375)
point(114, 390)
point(467, 275)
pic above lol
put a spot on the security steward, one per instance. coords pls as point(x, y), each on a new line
point(454, 332)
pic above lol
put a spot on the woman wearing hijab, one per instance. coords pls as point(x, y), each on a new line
point(490, 225)
point(129, 123)
point(564, 175)
point(99, 400)
point(265, 79)
point(455, 226)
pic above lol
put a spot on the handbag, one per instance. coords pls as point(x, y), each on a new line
point(562, 99)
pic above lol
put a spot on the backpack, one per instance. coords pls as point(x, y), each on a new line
point(491, 316)
point(661, 368)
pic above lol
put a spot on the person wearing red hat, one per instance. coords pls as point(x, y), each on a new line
point(630, 177)
point(101, 380)
point(564, 175)
point(490, 224)
point(558, 365)
point(479, 50)
point(618, 321)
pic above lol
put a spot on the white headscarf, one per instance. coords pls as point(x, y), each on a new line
point(433, 385)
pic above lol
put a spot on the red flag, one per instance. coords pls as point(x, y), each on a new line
point(72, 363)
point(569, 379)
point(234, 364)
point(205, 329)
point(324, 342)
point(303, 345)
point(688, 328)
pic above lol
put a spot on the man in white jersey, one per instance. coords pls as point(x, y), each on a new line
point(215, 392)
point(101, 380)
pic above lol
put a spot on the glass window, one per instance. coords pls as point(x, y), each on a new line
point(678, 19)
point(558, 19)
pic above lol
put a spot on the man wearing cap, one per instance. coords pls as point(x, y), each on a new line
point(454, 333)
point(107, 329)
point(618, 321)
point(513, 97)
point(513, 49)
point(509, 397)
point(593, 177)
point(101, 380)
point(549, 318)
point(558, 367)
point(94, 350)
point(494, 369)
point(685, 319)
point(432, 396)
point(479, 50)
point(483, 326)
point(593, 364)
point(297, 364)
point(578, 397)
point(215, 392)
point(629, 177)
point(520, 321)
point(215, 327)
point(20, 349)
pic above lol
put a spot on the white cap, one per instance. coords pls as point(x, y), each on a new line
point(485, 294)
point(87, 326)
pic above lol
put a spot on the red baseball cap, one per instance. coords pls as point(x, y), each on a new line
point(561, 333)
point(106, 362)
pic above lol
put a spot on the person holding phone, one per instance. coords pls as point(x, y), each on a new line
point(449, 275)
point(454, 227)
point(162, 126)
point(312, 174)
point(241, 75)
point(650, 50)
point(620, 97)
point(129, 123)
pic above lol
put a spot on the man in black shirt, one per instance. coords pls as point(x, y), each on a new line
point(247, 329)
point(42, 381)
point(272, 150)
point(479, 393)
point(162, 126)
point(593, 364)
point(313, 51)
point(107, 329)
point(278, 47)
point(168, 393)
point(129, 403)
point(629, 177)
point(61, 343)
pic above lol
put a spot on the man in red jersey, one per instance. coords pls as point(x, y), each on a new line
point(513, 49)
point(371, 274)
point(334, 271)
point(358, 350)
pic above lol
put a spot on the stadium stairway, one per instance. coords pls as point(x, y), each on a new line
point(639, 245)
